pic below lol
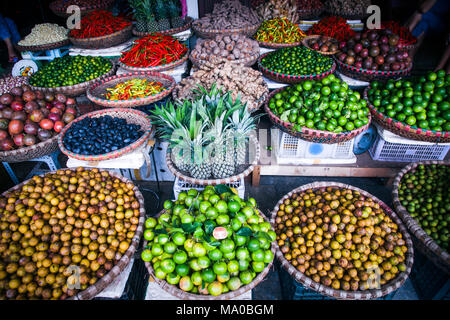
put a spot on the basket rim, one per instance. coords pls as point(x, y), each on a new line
point(105, 4)
point(76, 41)
point(379, 73)
point(186, 26)
point(219, 31)
point(25, 150)
point(305, 130)
point(136, 101)
point(93, 290)
point(78, 85)
point(113, 154)
point(218, 60)
point(400, 125)
point(314, 36)
point(177, 292)
point(292, 77)
point(391, 286)
point(410, 222)
point(205, 182)
point(162, 67)
point(46, 46)
point(274, 45)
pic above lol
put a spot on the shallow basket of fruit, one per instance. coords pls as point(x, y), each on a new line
point(105, 134)
point(303, 69)
point(420, 120)
point(187, 25)
point(71, 75)
point(240, 171)
point(348, 243)
point(369, 74)
point(317, 124)
point(131, 89)
point(71, 200)
point(155, 52)
point(420, 196)
point(30, 123)
point(208, 245)
point(322, 44)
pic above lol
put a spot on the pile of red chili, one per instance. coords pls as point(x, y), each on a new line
point(153, 50)
point(334, 27)
point(406, 37)
point(99, 23)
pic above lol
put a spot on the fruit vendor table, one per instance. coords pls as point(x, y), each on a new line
point(268, 166)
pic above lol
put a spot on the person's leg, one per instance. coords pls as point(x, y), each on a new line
point(15, 35)
point(5, 35)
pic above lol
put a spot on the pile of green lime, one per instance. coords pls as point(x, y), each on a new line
point(327, 104)
point(297, 61)
point(70, 70)
point(208, 242)
point(422, 102)
point(423, 191)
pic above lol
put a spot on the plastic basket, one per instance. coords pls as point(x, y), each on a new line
point(180, 186)
point(430, 282)
point(390, 147)
point(292, 150)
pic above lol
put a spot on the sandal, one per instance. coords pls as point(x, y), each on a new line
point(13, 59)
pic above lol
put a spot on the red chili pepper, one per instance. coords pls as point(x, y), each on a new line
point(153, 50)
point(335, 27)
point(99, 23)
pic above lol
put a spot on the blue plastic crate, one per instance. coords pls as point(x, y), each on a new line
point(430, 282)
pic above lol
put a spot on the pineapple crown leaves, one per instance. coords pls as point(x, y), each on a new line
point(143, 9)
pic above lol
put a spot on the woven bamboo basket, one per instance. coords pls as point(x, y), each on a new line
point(110, 40)
point(287, 78)
point(393, 285)
point(405, 130)
point(211, 33)
point(96, 93)
point(169, 32)
point(423, 242)
point(249, 61)
point(370, 75)
point(345, 15)
point(163, 67)
point(131, 115)
point(183, 295)
point(32, 152)
point(306, 41)
point(47, 46)
point(307, 14)
point(273, 45)
point(213, 182)
point(317, 136)
point(103, 5)
point(76, 89)
point(105, 281)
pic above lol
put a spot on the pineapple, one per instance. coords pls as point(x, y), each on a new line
point(243, 123)
point(223, 161)
point(162, 16)
point(151, 24)
point(176, 20)
point(139, 14)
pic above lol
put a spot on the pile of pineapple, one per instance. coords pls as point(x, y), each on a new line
point(157, 15)
point(208, 135)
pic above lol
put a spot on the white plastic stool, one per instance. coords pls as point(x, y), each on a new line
point(51, 161)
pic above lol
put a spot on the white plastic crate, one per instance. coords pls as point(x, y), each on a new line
point(292, 150)
point(180, 186)
point(391, 147)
